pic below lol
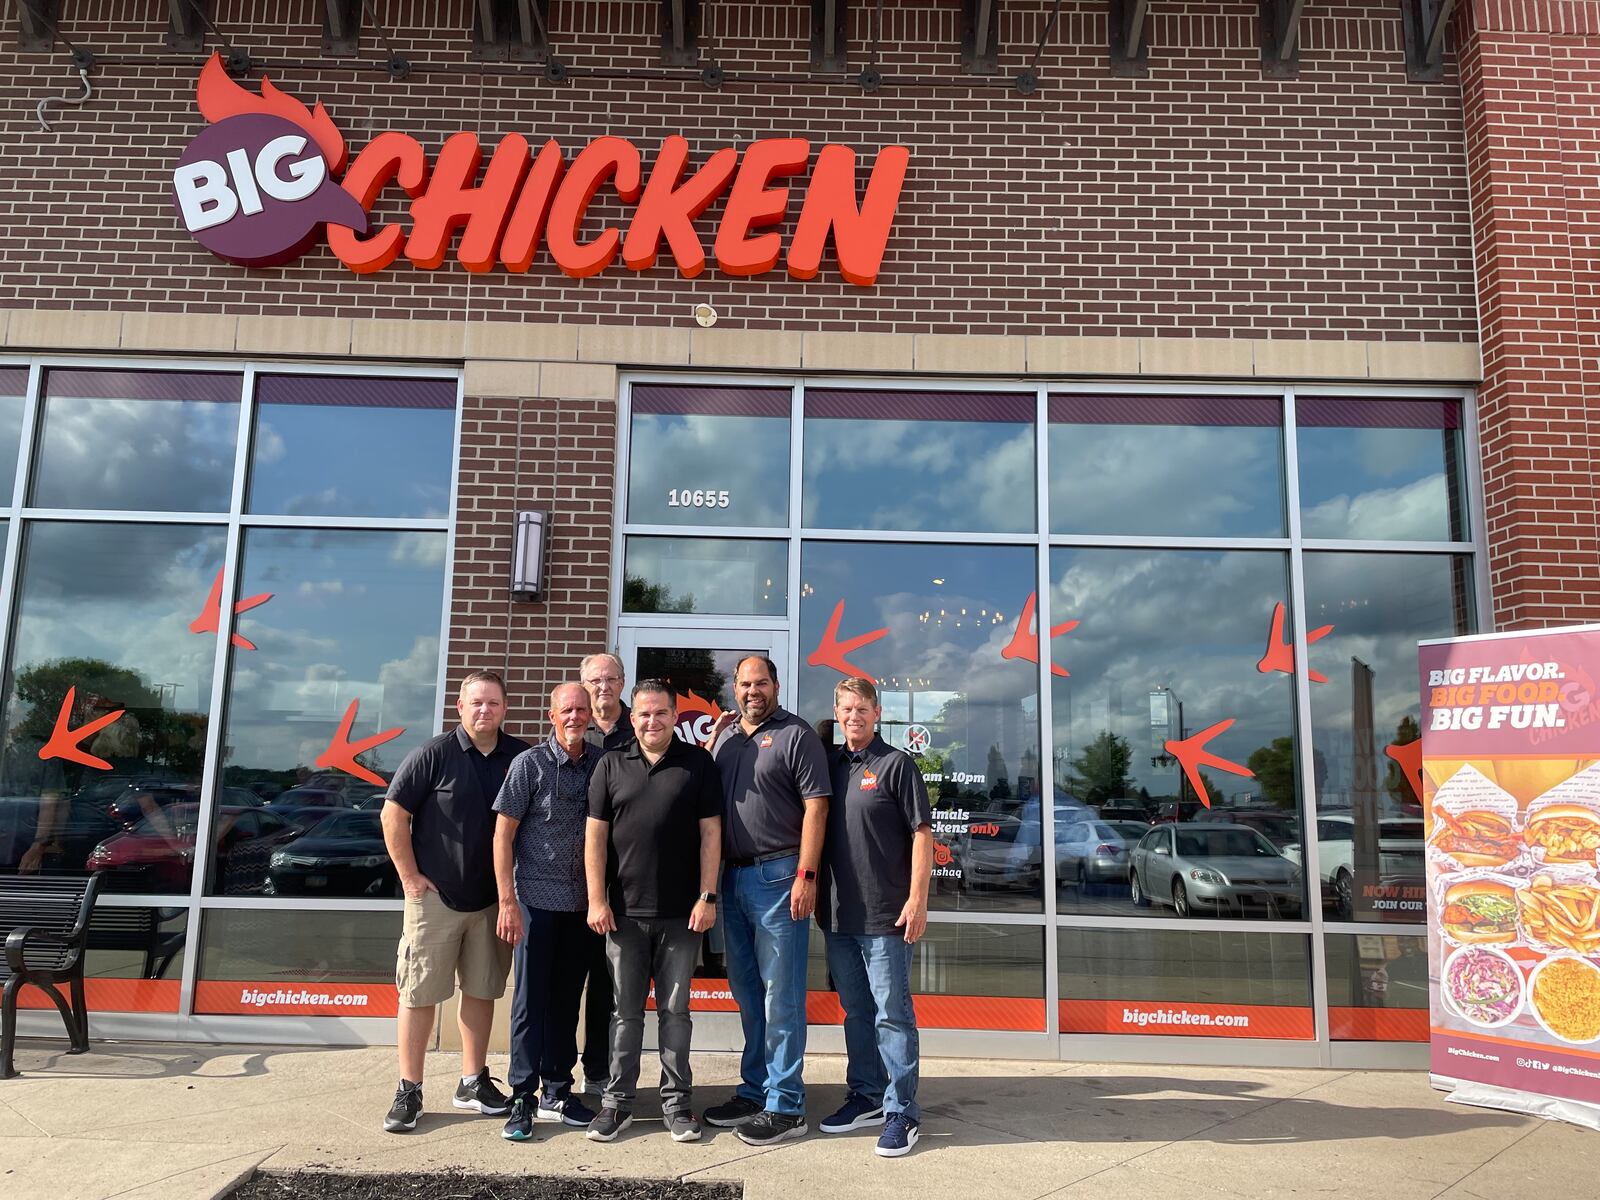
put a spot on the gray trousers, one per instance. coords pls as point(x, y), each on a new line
point(637, 951)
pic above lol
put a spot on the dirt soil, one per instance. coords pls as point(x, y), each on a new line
point(454, 1185)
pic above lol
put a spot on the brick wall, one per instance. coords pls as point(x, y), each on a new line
point(1531, 90)
point(1203, 199)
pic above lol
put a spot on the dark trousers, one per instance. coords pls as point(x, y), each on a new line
point(548, 969)
point(597, 1006)
point(665, 950)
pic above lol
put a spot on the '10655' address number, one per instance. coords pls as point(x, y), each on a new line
point(698, 498)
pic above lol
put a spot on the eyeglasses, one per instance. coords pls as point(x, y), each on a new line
point(603, 679)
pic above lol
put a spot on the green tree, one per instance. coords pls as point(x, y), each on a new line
point(1274, 769)
point(639, 595)
point(1100, 773)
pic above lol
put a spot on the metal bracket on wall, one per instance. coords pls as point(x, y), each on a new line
point(341, 27)
point(1425, 22)
point(186, 25)
point(36, 24)
point(980, 37)
point(1129, 50)
point(1280, 38)
point(511, 30)
point(827, 35)
point(680, 33)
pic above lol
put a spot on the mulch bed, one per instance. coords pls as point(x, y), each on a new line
point(459, 1185)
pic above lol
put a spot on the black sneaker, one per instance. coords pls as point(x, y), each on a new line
point(563, 1106)
point(482, 1096)
point(682, 1126)
point(734, 1113)
point(519, 1125)
point(770, 1128)
point(406, 1108)
point(608, 1124)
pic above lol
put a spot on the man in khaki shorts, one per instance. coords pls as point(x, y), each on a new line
point(438, 825)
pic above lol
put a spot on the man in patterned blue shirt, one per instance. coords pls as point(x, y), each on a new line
point(543, 808)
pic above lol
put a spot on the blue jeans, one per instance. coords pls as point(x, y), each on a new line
point(873, 975)
point(766, 952)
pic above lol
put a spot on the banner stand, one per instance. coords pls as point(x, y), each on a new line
point(1510, 783)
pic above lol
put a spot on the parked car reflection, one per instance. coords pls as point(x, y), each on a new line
point(1400, 857)
point(342, 855)
point(1090, 852)
point(159, 849)
point(307, 806)
point(1213, 866)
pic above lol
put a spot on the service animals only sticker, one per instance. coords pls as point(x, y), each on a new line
point(918, 739)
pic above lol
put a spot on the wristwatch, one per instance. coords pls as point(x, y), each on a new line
point(808, 876)
point(708, 897)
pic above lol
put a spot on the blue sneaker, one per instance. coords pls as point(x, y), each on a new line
point(898, 1136)
point(857, 1112)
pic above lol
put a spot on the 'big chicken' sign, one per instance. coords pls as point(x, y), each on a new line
point(263, 182)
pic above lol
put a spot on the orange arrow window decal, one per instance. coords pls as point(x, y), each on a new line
point(1191, 752)
point(1024, 643)
point(66, 742)
point(1409, 757)
point(1280, 647)
point(211, 614)
point(830, 651)
point(341, 752)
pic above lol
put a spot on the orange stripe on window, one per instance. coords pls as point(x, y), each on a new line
point(1378, 1024)
point(1182, 1019)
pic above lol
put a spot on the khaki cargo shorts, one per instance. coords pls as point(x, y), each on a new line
point(439, 945)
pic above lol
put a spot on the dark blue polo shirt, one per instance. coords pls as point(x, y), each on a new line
point(879, 801)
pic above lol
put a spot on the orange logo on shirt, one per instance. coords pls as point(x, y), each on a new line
point(869, 781)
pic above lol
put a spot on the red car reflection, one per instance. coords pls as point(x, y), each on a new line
point(159, 849)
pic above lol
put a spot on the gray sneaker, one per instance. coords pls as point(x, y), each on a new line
point(682, 1126)
point(608, 1124)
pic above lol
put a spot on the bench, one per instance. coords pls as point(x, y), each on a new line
point(45, 922)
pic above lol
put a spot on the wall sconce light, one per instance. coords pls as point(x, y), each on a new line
point(530, 560)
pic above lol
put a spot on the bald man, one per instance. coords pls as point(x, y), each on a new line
point(543, 808)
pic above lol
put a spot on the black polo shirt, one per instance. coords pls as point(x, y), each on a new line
point(655, 810)
point(766, 777)
point(879, 801)
point(621, 733)
point(448, 786)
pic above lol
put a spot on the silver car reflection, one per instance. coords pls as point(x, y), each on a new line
point(1090, 852)
point(1212, 865)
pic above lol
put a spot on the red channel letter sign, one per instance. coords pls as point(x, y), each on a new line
point(269, 178)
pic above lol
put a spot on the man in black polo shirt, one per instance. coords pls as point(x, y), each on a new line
point(873, 906)
point(775, 789)
point(438, 825)
point(610, 728)
point(653, 847)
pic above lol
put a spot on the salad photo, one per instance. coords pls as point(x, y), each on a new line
point(1482, 986)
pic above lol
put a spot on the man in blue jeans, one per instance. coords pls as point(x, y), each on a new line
point(873, 906)
point(775, 789)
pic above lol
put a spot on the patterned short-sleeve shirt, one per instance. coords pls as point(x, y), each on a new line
point(547, 790)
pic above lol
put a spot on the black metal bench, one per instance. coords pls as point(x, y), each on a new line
point(45, 922)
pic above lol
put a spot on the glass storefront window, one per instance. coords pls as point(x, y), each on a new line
point(134, 961)
point(104, 615)
point(268, 962)
point(1179, 466)
point(951, 461)
point(1167, 649)
point(146, 441)
point(709, 456)
point(1369, 816)
point(1377, 987)
point(347, 648)
point(1185, 983)
point(706, 575)
point(1382, 470)
point(13, 405)
point(336, 445)
point(956, 693)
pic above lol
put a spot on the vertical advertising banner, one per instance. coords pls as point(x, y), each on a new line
point(1511, 784)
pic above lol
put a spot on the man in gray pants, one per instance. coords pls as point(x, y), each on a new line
point(652, 851)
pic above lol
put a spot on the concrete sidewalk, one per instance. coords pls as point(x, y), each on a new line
point(172, 1122)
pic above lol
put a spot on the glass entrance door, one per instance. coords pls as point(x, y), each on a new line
point(699, 665)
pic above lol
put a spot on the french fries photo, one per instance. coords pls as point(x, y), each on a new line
point(1560, 914)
